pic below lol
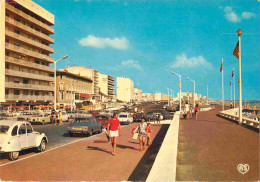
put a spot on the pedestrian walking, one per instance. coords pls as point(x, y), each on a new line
point(148, 131)
point(134, 117)
point(142, 133)
point(60, 118)
point(186, 110)
point(113, 131)
point(158, 118)
point(53, 117)
point(196, 110)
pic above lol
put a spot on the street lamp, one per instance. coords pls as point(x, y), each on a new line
point(194, 92)
point(55, 62)
point(180, 86)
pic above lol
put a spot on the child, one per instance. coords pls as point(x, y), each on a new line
point(148, 131)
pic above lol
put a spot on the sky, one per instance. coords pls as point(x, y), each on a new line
point(145, 40)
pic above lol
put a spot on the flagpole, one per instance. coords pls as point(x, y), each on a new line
point(222, 86)
point(239, 33)
point(234, 88)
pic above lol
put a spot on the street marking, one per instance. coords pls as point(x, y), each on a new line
point(11, 162)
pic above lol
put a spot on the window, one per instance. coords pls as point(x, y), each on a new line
point(16, 92)
point(14, 132)
point(37, 61)
point(22, 129)
point(17, 19)
point(17, 31)
point(7, 53)
point(25, 81)
point(25, 92)
point(7, 66)
point(36, 92)
point(61, 95)
point(29, 128)
point(7, 92)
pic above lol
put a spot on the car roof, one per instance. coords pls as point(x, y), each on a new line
point(123, 113)
point(11, 123)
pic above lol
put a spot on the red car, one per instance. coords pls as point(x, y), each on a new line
point(102, 119)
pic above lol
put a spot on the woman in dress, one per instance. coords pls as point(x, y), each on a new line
point(142, 133)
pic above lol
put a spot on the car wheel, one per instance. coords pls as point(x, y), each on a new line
point(42, 146)
point(13, 156)
point(71, 134)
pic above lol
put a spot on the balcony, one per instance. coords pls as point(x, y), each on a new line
point(28, 41)
point(28, 75)
point(29, 97)
point(28, 86)
point(29, 30)
point(30, 18)
point(28, 64)
point(28, 52)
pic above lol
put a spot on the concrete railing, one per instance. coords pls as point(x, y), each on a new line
point(233, 115)
point(164, 167)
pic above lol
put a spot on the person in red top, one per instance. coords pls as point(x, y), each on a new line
point(148, 131)
point(113, 129)
point(196, 109)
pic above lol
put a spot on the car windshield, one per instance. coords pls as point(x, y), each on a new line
point(123, 116)
point(3, 128)
point(101, 118)
point(81, 120)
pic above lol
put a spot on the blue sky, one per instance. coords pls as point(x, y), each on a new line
point(144, 40)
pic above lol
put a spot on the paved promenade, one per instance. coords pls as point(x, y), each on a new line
point(211, 148)
point(88, 160)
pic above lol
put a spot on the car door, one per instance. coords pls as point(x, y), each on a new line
point(31, 136)
point(23, 136)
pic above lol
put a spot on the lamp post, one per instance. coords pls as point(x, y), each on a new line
point(55, 62)
point(194, 91)
point(180, 86)
point(239, 33)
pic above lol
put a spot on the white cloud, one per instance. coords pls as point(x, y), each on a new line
point(131, 64)
point(231, 15)
point(99, 42)
point(182, 61)
point(248, 15)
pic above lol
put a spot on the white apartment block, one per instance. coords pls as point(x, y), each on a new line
point(125, 89)
point(137, 94)
point(147, 97)
point(25, 39)
point(106, 85)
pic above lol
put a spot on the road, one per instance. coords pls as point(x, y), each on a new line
point(70, 158)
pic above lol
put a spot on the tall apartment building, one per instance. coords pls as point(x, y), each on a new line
point(25, 50)
point(147, 97)
point(92, 74)
point(106, 85)
point(72, 89)
point(125, 89)
point(137, 94)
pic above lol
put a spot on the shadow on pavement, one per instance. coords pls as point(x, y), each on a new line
point(243, 125)
point(125, 147)
point(98, 149)
point(143, 168)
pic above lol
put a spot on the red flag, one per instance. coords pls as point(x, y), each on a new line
point(233, 73)
point(236, 51)
point(230, 83)
point(221, 68)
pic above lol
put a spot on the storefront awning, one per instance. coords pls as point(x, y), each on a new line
point(85, 95)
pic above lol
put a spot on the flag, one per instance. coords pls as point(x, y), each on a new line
point(221, 68)
point(238, 81)
point(233, 73)
point(236, 51)
point(230, 83)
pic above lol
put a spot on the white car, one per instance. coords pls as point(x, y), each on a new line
point(16, 136)
point(125, 118)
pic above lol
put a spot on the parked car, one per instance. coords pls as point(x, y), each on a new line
point(84, 125)
point(42, 118)
point(26, 115)
point(72, 114)
point(102, 119)
point(16, 136)
point(150, 116)
point(139, 116)
point(125, 118)
point(3, 116)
